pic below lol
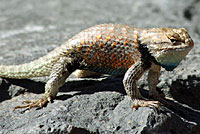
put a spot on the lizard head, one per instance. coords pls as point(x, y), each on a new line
point(167, 45)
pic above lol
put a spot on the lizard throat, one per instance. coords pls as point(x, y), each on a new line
point(170, 59)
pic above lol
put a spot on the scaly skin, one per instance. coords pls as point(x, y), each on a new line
point(113, 49)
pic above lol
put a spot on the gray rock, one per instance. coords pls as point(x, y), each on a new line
point(30, 29)
point(102, 112)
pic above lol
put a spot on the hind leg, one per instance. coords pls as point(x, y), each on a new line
point(85, 74)
point(61, 70)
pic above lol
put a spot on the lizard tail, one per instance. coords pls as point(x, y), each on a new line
point(36, 68)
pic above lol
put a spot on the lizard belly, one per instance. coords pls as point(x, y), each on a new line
point(102, 70)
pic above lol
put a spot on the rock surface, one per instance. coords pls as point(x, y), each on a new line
point(30, 29)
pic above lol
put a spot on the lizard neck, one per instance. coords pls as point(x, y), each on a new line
point(146, 56)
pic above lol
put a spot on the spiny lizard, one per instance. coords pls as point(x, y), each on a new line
point(112, 49)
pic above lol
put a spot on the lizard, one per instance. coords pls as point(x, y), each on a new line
point(115, 49)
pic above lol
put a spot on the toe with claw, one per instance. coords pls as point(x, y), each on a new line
point(144, 103)
point(36, 103)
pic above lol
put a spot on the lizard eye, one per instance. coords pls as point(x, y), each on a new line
point(173, 40)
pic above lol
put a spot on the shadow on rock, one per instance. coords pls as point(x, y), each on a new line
point(14, 87)
point(90, 86)
point(187, 91)
point(4, 86)
point(178, 108)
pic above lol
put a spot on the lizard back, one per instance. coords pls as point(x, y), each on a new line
point(106, 48)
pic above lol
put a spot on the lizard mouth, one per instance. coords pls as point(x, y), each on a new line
point(186, 45)
point(180, 40)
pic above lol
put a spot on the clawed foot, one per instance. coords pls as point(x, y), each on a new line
point(37, 103)
point(162, 99)
point(144, 103)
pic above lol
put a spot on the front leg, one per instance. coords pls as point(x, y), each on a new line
point(153, 76)
point(133, 74)
point(60, 71)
